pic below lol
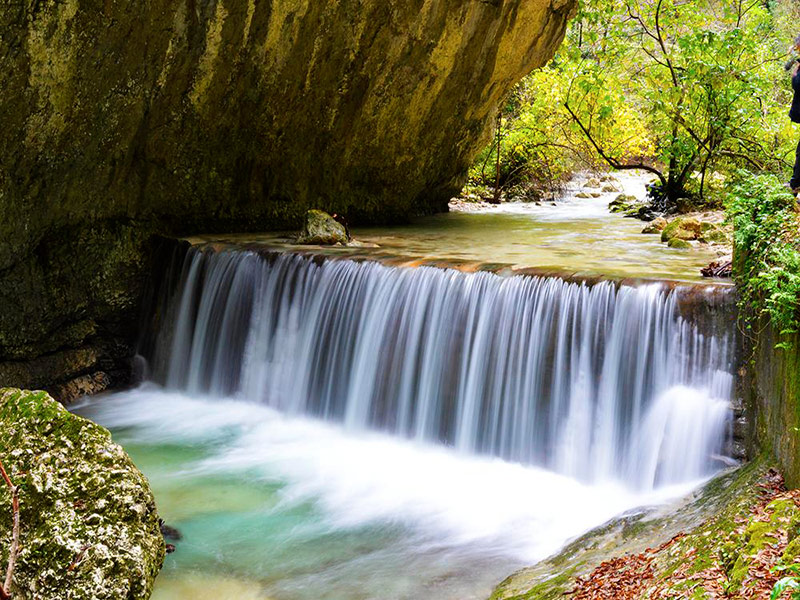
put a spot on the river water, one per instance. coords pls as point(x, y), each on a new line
point(341, 430)
point(576, 235)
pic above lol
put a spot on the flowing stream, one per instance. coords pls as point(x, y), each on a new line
point(576, 235)
point(346, 430)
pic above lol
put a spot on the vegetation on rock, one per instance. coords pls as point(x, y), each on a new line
point(323, 229)
point(767, 252)
point(726, 542)
point(88, 523)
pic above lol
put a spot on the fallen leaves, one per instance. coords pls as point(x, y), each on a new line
point(644, 577)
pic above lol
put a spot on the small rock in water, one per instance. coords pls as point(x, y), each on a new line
point(678, 243)
point(169, 548)
point(655, 226)
point(169, 533)
point(583, 195)
point(610, 189)
point(321, 228)
point(593, 183)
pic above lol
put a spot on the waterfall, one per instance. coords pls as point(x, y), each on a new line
point(599, 382)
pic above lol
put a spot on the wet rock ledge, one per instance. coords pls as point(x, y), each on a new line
point(88, 523)
point(727, 540)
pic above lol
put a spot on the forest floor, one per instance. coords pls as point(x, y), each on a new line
point(729, 542)
point(730, 559)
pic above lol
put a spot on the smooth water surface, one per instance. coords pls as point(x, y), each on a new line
point(577, 235)
point(287, 508)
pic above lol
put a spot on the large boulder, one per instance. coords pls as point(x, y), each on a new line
point(88, 523)
point(623, 203)
point(322, 229)
point(691, 228)
point(685, 229)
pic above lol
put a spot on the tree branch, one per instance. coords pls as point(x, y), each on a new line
point(5, 590)
point(610, 160)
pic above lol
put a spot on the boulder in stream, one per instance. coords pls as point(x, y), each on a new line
point(321, 228)
point(682, 228)
point(692, 228)
point(655, 226)
point(623, 203)
point(593, 183)
point(678, 243)
point(88, 523)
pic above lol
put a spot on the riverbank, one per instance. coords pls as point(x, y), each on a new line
point(730, 540)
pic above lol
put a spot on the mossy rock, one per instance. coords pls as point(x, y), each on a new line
point(678, 243)
point(714, 234)
point(719, 542)
point(657, 225)
point(623, 203)
point(639, 211)
point(89, 528)
point(705, 516)
point(322, 229)
point(682, 228)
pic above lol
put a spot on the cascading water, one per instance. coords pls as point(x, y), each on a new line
point(599, 382)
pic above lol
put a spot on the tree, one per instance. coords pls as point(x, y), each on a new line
point(702, 74)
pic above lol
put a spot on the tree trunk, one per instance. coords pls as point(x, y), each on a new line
point(496, 198)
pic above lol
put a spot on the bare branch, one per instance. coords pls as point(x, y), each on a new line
point(5, 590)
point(12, 556)
point(616, 164)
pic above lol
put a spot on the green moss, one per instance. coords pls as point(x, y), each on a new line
point(321, 228)
point(678, 243)
point(89, 527)
point(709, 518)
point(714, 235)
point(622, 203)
point(682, 228)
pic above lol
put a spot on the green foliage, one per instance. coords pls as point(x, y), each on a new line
point(687, 89)
point(767, 268)
point(790, 582)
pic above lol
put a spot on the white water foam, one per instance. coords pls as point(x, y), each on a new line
point(539, 371)
point(445, 499)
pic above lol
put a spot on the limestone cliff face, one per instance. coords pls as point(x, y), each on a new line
point(121, 120)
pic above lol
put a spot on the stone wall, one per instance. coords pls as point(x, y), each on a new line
point(771, 390)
